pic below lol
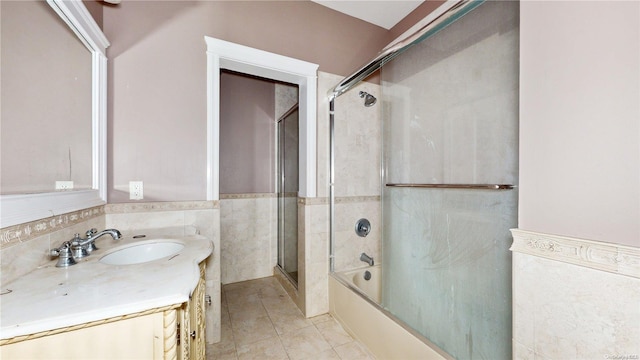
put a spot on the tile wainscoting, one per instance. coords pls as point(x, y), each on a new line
point(313, 259)
point(574, 298)
point(27, 246)
point(249, 235)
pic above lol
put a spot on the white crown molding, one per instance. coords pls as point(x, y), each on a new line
point(76, 15)
point(618, 259)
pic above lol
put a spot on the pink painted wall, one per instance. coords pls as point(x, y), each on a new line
point(580, 119)
point(426, 8)
point(247, 135)
point(157, 70)
point(95, 9)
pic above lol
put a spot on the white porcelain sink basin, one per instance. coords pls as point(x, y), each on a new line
point(141, 252)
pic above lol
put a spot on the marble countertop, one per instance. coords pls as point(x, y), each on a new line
point(50, 298)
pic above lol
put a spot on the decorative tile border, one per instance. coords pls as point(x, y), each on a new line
point(339, 200)
point(27, 231)
point(597, 255)
point(253, 196)
point(125, 208)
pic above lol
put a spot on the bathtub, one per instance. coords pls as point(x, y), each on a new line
point(353, 301)
point(356, 280)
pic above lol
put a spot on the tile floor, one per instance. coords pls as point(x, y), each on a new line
point(260, 321)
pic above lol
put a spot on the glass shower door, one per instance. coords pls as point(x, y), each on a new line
point(451, 120)
point(288, 194)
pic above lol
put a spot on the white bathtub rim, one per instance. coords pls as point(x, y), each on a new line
point(340, 279)
point(345, 279)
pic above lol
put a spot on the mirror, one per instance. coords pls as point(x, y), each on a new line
point(45, 138)
point(52, 124)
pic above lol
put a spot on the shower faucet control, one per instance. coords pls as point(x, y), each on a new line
point(363, 227)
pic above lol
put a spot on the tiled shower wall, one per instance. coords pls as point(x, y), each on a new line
point(357, 173)
point(357, 154)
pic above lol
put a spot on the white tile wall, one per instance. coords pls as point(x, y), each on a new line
point(248, 238)
point(570, 311)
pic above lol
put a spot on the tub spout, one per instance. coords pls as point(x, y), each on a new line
point(366, 258)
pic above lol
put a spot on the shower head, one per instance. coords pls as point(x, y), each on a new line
point(369, 99)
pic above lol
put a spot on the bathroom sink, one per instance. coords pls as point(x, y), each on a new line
point(141, 252)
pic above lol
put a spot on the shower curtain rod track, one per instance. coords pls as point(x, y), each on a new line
point(459, 9)
point(456, 186)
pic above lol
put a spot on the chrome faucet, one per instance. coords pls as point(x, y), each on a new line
point(366, 258)
point(83, 247)
point(78, 247)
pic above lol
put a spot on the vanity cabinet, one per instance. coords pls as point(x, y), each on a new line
point(140, 337)
point(191, 325)
point(172, 332)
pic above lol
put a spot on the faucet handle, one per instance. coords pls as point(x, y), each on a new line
point(77, 249)
point(92, 244)
point(57, 251)
point(75, 241)
point(64, 254)
point(91, 232)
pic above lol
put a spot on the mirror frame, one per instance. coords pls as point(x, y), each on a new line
point(21, 208)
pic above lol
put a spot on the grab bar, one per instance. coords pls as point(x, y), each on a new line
point(457, 186)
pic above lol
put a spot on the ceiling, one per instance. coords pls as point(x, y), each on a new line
point(383, 13)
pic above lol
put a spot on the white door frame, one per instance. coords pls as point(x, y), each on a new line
point(226, 55)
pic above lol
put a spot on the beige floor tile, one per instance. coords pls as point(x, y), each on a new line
point(273, 290)
point(260, 321)
point(281, 305)
point(240, 299)
point(247, 312)
point(225, 318)
point(268, 349)
point(287, 322)
point(304, 343)
point(353, 351)
point(240, 295)
point(252, 330)
point(228, 355)
point(227, 343)
point(321, 318)
point(256, 286)
point(333, 333)
point(243, 302)
point(325, 355)
point(223, 300)
point(224, 314)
